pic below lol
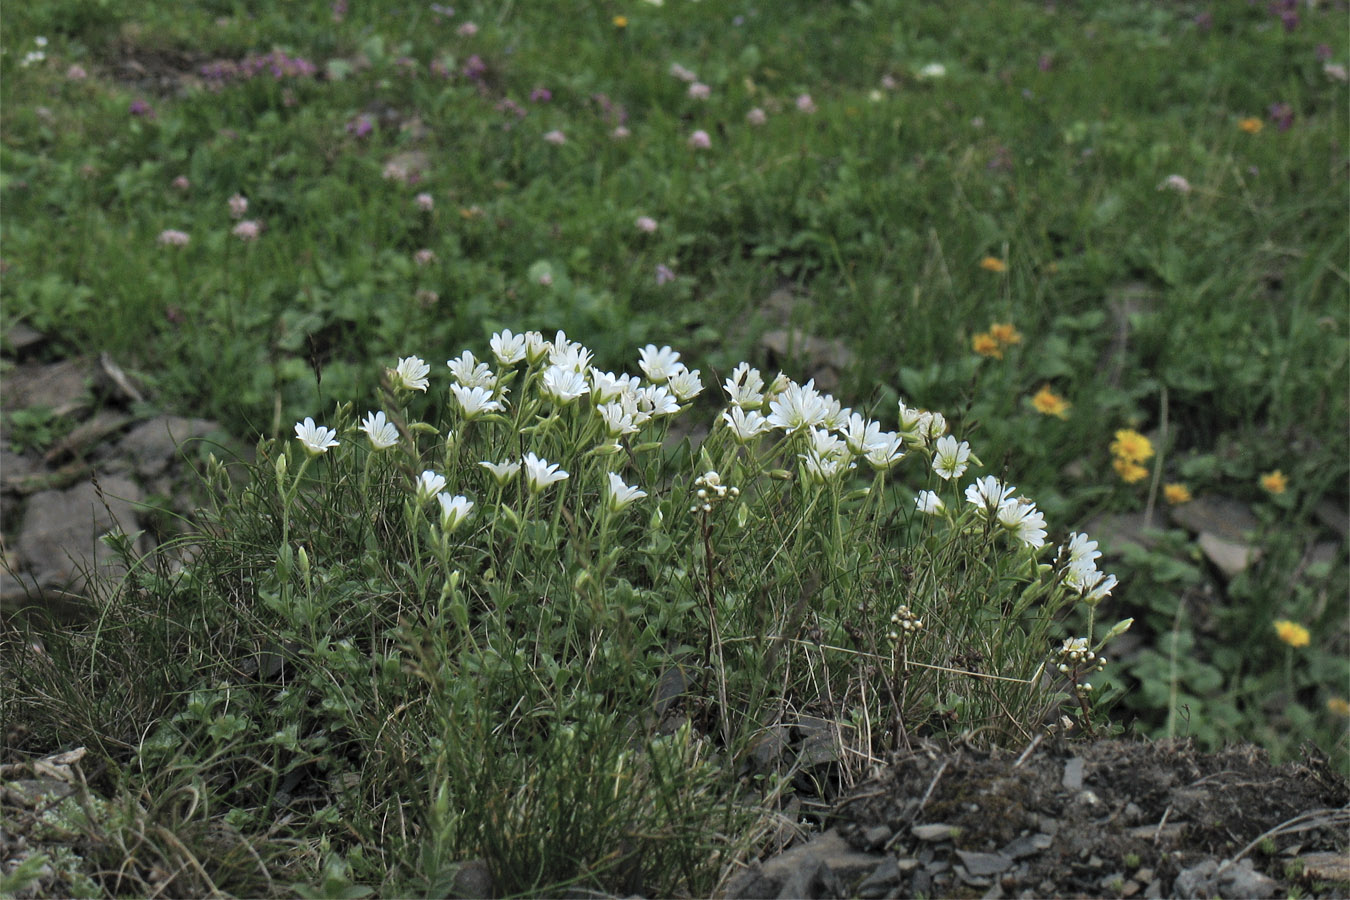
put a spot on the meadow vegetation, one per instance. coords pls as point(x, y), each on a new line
point(485, 596)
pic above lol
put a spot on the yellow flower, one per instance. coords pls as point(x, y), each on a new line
point(1251, 124)
point(1292, 633)
point(1129, 472)
point(1176, 494)
point(1005, 333)
point(1275, 482)
point(620, 21)
point(1131, 446)
point(1338, 706)
point(986, 344)
point(993, 264)
point(1049, 403)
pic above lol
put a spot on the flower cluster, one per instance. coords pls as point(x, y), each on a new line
point(1131, 450)
point(709, 491)
point(1079, 571)
point(993, 342)
point(905, 623)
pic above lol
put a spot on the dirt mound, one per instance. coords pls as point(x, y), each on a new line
point(1110, 819)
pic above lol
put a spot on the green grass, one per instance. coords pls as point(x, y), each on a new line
point(1212, 320)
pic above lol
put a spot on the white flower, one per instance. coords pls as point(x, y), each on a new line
point(1098, 590)
point(886, 452)
point(685, 384)
point(929, 503)
point(745, 387)
point(860, 434)
point(657, 400)
point(618, 495)
point(562, 386)
point(569, 355)
point(826, 457)
point(1083, 553)
point(429, 484)
point(909, 418)
point(932, 425)
point(988, 493)
point(607, 387)
point(540, 473)
point(1176, 183)
point(932, 70)
point(658, 364)
point(536, 348)
point(454, 510)
point(381, 432)
point(410, 374)
point(1024, 520)
point(618, 421)
point(745, 426)
point(507, 347)
point(798, 406)
point(470, 373)
point(502, 472)
point(836, 415)
point(475, 400)
point(316, 438)
point(951, 458)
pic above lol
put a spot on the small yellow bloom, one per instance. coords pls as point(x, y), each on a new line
point(1176, 494)
point(1131, 446)
point(620, 21)
point(986, 344)
point(993, 264)
point(1339, 707)
point(1047, 402)
point(1292, 633)
point(1005, 333)
point(1275, 482)
point(1129, 472)
point(1251, 124)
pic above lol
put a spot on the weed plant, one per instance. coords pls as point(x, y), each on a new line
point(581, 671)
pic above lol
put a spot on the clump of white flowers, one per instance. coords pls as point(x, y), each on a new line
point(710, 491)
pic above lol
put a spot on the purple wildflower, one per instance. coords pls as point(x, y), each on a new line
point(664, 275)
point(1282, 114)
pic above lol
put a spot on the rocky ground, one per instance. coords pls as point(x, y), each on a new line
point(85, 452)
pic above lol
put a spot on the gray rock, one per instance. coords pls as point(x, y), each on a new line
point(876, 836)
point(1194, 883)
point(473, 879)
point(1225, 518)
point(154, 444)
point(934, 832)
point(1230, 557)
point(1073, 773)
point(59, 543)
point(982, 864)
point(61, 387)
point(884, 879)
point(1027, 845)
point(1241, 881)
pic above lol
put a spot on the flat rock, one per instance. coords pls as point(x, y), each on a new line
point(1326, 866)
point(88, 434)
point(1113, 531)
point(154, 444)
point(983, 864)
point(933, 832)
point(21, 339)
point(58, 541)
point(1228, 556)
point(62, 387)
point(1225, 518)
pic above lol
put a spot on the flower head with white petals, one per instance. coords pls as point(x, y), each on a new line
point(619, 495)
point(540, 473)
point(315, 438)
point(745, 387)
point(951, 458)
point(507, 347)
point(659, 364)
point(380, 430)
point(502, 472)
point(474, 401)
point(410, 374)
point(471, 373)
point(455, 511)
point(429, 484)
